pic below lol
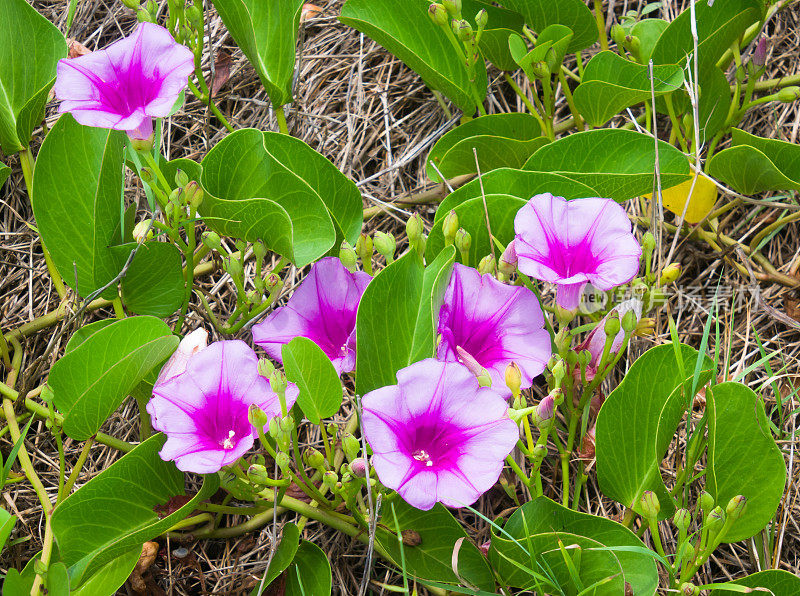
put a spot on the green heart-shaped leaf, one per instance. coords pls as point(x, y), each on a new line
point(153, 284)
point(777, 581)
point(309, 573)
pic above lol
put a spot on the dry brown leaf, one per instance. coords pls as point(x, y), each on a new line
point(149, 552)
point(309, 11)
point(222, 72)
point(76, 48)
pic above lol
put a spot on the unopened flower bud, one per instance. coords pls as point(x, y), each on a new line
point(646, 326)
point(706, 503)
point(257, 474)
point(713, 523)
point(253, 297)
point(350, 446)
point(453, 7)
point(450, 227)
point(348, 256)
point(176, 197)
point(257, 417)
point(618, 34)
point(277, 381)
point(788, 94)
point(463, 243)
point(414, 229)
point(134, 4)
point(181, 178)
point(629, 321)
point(272, 281)
point(760, 53)
point(468, 360)
point(559, 369)
point(670, 273)
point(649, 504)
point(283, 460)
point(462, 29)
point(632, 44)
point(265, 367)
point(358, 467)
point(438, 14)
point(648, 242)
point(194, 194)
point(385, 244)
point(364, 248)
point(612, 325)
point(233, 267)
point(682, 520)
point(273, 428)
point(286, 424)
point(143, 230)
point(314, 458)
point(507, 265)
point(513, 378)
point(540, 70)
point(736, 507)
point(487, 265)
point(330, 479)
point(195, 17)
point(539, 452)
point(543, 415)
point(212, 240)
point(689, 589)
point(481, 19)
point(241, 246)
point(686, 552)
point(144, 16)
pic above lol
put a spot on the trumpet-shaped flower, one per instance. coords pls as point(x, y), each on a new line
point(203, 409)
point(127, 84)
point(323, 309)
point(437, 436)
point(495, 324)
point(570, 243)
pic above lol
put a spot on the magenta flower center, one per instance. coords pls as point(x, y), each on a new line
point(223, 422)
point(567, 261)
point(434, 445)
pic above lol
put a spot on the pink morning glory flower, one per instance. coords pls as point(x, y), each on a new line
point(437, 436)
point(323, 309)
point(572, 243)
point(203, 409)
point(127, 84)
point(495, 324)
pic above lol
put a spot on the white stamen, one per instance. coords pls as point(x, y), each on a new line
point(423, 456)
point(228, 443)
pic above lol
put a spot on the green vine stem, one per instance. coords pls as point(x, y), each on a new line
point(280, 116)
point(599, 18)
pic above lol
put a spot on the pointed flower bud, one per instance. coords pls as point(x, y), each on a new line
point(385, 244)
point(670, 273)
point(649, 504)
point(618, 34)
point(487, 265)
point(484, 380)
point(648, 242)
point(612, 324)
point(706, 503)
point(278, 382)
point(364, 248)
point(348, 256)
point(463, 242)
point(212, 240)
point(481, 19)
point(258, 474)
point(760, 53)
point(788, 94)
point(540, 69)
point(463, 30)
point(351, 447)
point(682, 520)
point(450, 227)
point(438, 14)
point(233, 267)
point(736, 507)
point(314, 458)
point(329, 479)
point(543, 415)
point(507, 265)
point(283, 460)
point(689, 589)
point(143, 230)
point(414, 229)
point(358, 467)
point(257, 417)
point(181, 178)
point(713, 523)
point(513, 378)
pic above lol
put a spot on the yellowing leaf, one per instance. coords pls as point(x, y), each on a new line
point(703, 198)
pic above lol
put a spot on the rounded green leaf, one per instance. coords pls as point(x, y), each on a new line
point(7, 522)
point(501, 140)
point(618, 164)
point(284, 554)
point(266, 32)
point(77, 188)
point(410, 35)
point(91, 380)
point(777, 581)
point(251, 194)
point(108, 578)
point(648, 31)
point(134, 500)
point(572, 13)
point(755, 164)
point(311, 370)
point(154, 283)
point(501, 24)
point(743, 458)
point(611, 83)
point(638, 421)
point(32, 46)
point(608, 550)
point(5, 172)
point(309, 573)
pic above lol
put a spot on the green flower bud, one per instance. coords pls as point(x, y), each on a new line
point(463, 242)
point(277, 381)
point(348, 256)
point(487, 265)
point(181, 178)
point(146, 175)
point(540, 70)
point(788, 94)
point(706, 503)
point(265, 368)
point(612, 325)
point(539, 452)
point(685, 553)
point(194, 194)
point(649, 505)
point(420, 246)
point(273, 428)
point(682, 520)
point(233, 267)
point(258, 474)
point(618, 34)
point(350, 446)
point(286, 424)
point(143, 230)
point(670, 273)
point(453, 7)
point(241, 246)
point(143, 16)
point(414, 229)
point(736, 507)
point(481, 19)
point(633, 44)
point(211, 240)
point(314, 458)
point(559, 369)
point(364, 248)
point(330, 479)
point(283, 460)
point(176, 197)
point(462, 29)
point(259, 250)
point(134, 4)
point(257, 417)
point(195, 17)
point(450, 227)
point(629, 322)
point(438, 14)
point(648, 242)
point(253, 297)
point(713, 523)
point(385, 244)
point(689, 589)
